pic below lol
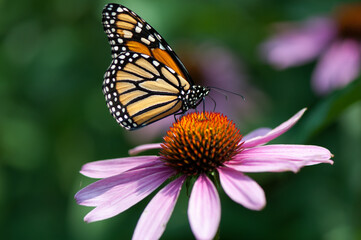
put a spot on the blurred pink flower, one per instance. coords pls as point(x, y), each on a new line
point(212, 64)
point(199, 146)
point(336, 40)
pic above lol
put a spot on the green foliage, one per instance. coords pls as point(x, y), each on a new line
point(328, 110)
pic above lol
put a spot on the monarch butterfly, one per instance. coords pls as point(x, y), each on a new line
point(145, 81)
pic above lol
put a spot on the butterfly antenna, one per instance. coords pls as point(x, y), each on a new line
point(221, 90)
point(215, 103)
point(225, 95)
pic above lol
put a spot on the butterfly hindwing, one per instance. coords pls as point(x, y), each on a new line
point(140, 90)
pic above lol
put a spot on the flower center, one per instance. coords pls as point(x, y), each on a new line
point(349, 20)
point(200, 142)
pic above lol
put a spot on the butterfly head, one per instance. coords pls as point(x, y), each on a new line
point(194, 96)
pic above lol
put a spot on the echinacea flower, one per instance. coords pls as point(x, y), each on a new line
point(199, 146)
point(335, 39)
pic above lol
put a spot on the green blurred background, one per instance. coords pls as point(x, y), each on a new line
point(53, 119)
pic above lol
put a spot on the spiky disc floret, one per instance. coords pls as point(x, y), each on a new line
point(200, 142)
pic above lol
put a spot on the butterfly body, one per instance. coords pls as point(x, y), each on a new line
point(145, 81)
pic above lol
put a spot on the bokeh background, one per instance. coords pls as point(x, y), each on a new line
point(53, 119)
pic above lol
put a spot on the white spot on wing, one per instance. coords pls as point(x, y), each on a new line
point(161, 46)
point(138, 29)
point(146, 41)
point(127, 34)
point(171, 70)
point(151, 38)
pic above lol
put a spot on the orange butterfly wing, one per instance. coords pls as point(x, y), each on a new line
point(146, 81)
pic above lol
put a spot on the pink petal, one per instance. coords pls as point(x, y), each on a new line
point(99, 191)
point(116, 194)
point(278, 158)
point(284, 127)
point(262, 165)
point(111, 167)
point(204, 209)
point(339, 65)
point(242, 189)
point(299, 43)
point(155, 216)
point(143, 148)
point(256, 133)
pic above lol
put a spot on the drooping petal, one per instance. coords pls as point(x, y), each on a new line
point(256, 133)
point(284, 127)
point(279, 158)
point(298, 44)
point(339, 65)
point(143, 148)
point(116, 194)
point(204, 209)
point(242, 189)
point(155, 216)
point(111, 167)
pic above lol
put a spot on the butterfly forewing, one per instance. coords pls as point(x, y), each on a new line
point(127, 32)
point(140, 90)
